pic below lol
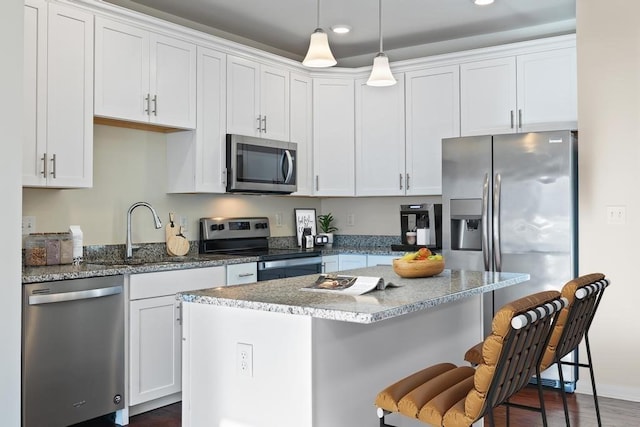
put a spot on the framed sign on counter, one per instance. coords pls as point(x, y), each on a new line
point(305, 218)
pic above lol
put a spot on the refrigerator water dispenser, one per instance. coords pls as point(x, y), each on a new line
point(466, 224)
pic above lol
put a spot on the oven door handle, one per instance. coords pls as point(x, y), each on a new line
point(74, 296)
point(293, 262)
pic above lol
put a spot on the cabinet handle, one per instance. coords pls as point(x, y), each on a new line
point(407, 181)
point(147, 99)
point(401, 181)
point(53, 166)
point(260, 123)
point(317, 183)
point(155, 105)
point(246, 274)
point(44, 165)
point(520, 118)
point(264, 124)
point(511, 119)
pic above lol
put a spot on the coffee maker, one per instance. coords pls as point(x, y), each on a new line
point(420, 226)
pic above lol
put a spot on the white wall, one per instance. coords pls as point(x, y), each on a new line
point(129, 166)
point(11, 18)
point(609, 113)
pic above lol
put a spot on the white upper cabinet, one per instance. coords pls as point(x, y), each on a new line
point(196, 159)
point(527, 92)
point(257, 99)
point(432, 113)
point(144, 77)
point(58, 121)
point(333, 137)
point(488, 96)
point(379, 137)
point(547, 90)
point(301, 130)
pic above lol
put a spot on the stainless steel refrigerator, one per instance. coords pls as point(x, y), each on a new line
point(510, 204)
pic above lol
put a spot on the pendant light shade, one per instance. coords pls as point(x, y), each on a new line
point(319, 54)
point(381, 72)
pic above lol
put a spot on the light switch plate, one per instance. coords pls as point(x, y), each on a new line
point(28, 225)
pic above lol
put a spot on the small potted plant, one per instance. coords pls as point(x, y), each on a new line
point(326, 226)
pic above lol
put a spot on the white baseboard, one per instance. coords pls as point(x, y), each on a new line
point(631, 394)
point(154, 404)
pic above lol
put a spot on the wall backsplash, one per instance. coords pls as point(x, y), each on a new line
point(130, 166)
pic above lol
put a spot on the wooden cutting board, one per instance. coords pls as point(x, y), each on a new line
point(177, 244)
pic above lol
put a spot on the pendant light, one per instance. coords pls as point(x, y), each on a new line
point(381, 73)
point(319, 54)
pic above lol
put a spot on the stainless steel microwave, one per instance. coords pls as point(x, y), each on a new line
point(258, 165)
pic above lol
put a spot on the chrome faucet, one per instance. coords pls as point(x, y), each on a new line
point(156, 218)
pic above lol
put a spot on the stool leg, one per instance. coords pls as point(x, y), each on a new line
point(564, 393)
point(593, 379)
point(541, 398)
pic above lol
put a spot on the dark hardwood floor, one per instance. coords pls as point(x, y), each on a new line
point(614, 413)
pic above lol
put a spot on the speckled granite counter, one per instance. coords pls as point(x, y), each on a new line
point(114, 267)
point(285, 296)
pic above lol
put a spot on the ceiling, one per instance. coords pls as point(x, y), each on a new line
point(411, 28)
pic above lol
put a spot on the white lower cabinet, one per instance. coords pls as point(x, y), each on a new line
point(155, 330)
point(350, 261)
point(329, 263)
point(373, 260)
point(240, 274)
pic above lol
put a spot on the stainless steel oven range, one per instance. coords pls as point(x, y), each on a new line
point(250, 237)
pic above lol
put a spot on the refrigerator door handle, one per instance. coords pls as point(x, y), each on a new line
point(497, 255)
point(485, 222)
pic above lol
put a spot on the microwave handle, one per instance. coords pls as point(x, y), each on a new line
point(289, 173)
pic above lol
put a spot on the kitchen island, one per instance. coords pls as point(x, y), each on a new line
point(271, 354)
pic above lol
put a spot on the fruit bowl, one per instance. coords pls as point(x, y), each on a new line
point(417, 268)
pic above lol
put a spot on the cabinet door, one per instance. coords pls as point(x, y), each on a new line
point(301, 130)
point(122, 71)
point(154, 348)
point(350, 261)
point(330, 263)
point(196, 160)
point(172, 82)
point(379, 139)
point(274, 103)
point(70, 97)
point(488, 97)
point(34, 144)
point(432, 113)
point(243, 99)
point(239, 274)
point(373, 260)
point(333, 137)
point(547, 90)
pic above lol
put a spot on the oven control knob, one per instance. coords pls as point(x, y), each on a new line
point(214, 227)
point(220, 227)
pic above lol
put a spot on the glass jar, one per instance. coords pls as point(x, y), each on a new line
point(52, 244)
point(35, 250)
point(66, 248)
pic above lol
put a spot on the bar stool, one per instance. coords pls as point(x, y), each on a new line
point(450, 396)
point(584, 294)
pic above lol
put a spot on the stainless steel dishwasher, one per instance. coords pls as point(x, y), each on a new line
point(72, 350)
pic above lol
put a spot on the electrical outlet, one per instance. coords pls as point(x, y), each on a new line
point(351, 220)
point(279, 219)
point(182, 222)
point(244, 359)
point(28, 225)
point(616, 215)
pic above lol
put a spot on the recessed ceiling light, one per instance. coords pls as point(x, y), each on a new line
point(341, 29)
point(482, 2)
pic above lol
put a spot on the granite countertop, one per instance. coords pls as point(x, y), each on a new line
point(112, 267)
point(286, 296)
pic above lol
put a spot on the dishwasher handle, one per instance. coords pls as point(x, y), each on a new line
point(75, 295)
